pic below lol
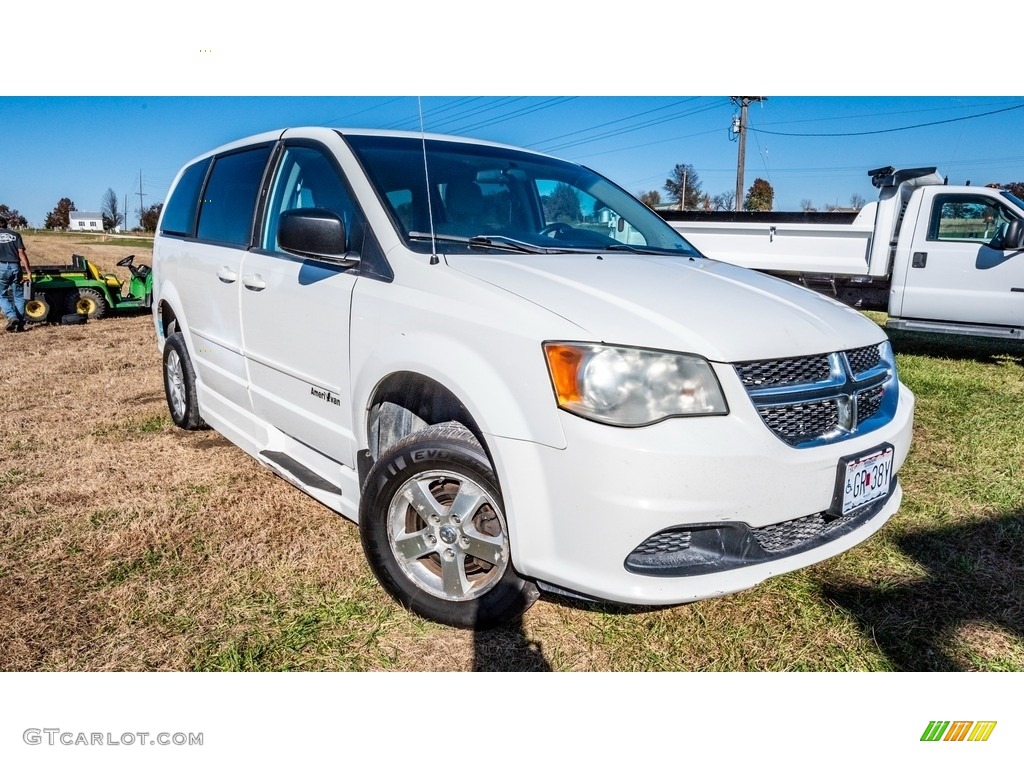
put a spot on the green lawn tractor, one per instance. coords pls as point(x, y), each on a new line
point(79, 291)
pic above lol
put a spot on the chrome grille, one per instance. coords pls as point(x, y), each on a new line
point(818, 399)
point(798, 423)
point(869, 402)
point(864, 359)
point(775, 373)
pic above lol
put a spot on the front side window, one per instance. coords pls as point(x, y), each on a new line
point(306, 178)
point(967, 218)
point(461, 192)
point(230, 197)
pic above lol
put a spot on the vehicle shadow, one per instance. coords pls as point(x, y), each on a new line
point(951, 347)
point(974, 577)
point(507, 649)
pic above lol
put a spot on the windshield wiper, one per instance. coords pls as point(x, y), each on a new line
point(650, 250)
point(499, 242)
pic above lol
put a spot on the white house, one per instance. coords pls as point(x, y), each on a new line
point(84, 221)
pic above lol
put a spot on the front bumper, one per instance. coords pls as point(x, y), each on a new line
point(577, 515)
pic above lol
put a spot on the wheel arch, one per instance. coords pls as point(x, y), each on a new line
point(168, 317)
point(405, 402)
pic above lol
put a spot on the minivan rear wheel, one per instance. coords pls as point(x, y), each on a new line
point(180, 384)
point(434, 531)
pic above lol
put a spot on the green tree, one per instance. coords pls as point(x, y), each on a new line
point(14, 219)
point(651, 199)
point(150, 217)
point(760, 196)
point(563, 204)
point(60, 216)
point(684, 185)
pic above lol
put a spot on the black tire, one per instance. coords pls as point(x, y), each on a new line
point(86, 301)
point(37, 309)
point(450, 568)
point(180, 384)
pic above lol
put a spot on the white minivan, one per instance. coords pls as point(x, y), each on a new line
point(514, 375)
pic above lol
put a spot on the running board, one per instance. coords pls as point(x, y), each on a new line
point(300, 472)
point(961, 329)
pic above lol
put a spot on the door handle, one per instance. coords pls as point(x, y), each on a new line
point(254, 282)
point(920, 260)
point(226, 275)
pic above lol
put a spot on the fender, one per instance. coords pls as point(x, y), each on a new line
point(506, 401)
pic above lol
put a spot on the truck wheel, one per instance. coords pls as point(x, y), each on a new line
point(86, 301)
point(434, 531)
point(180, 384)
point(37, 309)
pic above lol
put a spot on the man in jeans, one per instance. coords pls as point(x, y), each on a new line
point(14, 270)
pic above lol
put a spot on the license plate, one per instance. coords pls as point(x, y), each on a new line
point(863, 479)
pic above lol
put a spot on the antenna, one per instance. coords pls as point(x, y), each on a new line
point(426, 176)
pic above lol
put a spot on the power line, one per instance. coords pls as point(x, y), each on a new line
point(552, 102)
point(648, 124)
point(361, 111)
point(888, 130)
point(611, 122)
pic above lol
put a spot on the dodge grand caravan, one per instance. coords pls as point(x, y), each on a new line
point(515, 376)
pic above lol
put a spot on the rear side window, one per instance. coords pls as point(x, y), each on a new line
point(180, 214)
point(230, 196)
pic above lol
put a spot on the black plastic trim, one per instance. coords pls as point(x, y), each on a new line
point(718, 547)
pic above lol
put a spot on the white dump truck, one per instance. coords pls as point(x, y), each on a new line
point(936, 257)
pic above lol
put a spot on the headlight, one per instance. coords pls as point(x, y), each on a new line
point(631, 387)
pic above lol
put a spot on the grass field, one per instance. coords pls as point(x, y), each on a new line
point(127, 544)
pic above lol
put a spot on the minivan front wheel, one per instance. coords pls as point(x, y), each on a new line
point(180, 384)
point(434, 531)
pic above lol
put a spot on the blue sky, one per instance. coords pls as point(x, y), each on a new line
point(813, 148)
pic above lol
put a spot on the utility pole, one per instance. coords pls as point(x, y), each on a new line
point(682, 198)
point(142, 207)
point(741, 128)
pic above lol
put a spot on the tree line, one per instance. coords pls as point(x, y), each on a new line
point(110, 210)
point(685, 192)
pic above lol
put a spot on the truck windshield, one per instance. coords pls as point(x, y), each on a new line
point(482, 196)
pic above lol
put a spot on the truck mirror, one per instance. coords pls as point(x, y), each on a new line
point(316, 233)
point(1013, 237)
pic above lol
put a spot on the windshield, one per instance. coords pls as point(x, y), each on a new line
point(484, 196)
point(1013, 199)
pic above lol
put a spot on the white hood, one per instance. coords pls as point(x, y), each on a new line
point(701, 306)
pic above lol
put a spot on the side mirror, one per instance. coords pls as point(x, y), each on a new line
point(315, 233)
point(1013, 237)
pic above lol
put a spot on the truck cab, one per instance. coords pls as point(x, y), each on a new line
point(954, 268)
point(935, 257)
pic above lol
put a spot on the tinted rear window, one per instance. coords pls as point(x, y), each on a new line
point(230, 196)
point(180, 214)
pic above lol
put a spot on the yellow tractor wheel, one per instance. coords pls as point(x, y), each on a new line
point(88, 302)
point(37, 309)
